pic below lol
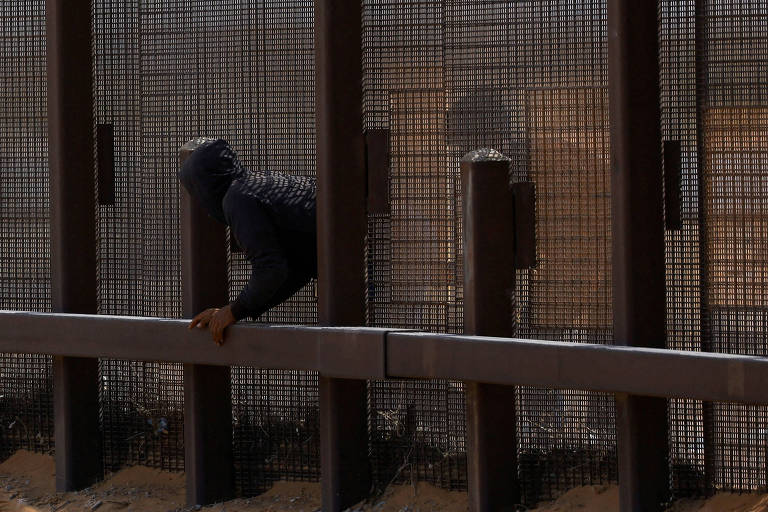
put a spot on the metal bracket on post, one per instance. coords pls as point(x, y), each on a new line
point(377, 164)
point(672, 177)
point(208, 457)
point(105, 163)
point(524, 193)
point(489, 281)
point(73, 235)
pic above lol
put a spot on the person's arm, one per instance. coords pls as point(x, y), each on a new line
point(269, 279)
point(255, 232)
point(293, 284)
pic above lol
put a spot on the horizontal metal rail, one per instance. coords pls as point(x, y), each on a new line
point(367, 353)
point(607, 368)
point(349, 352)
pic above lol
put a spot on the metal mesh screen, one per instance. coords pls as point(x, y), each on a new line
point(417, 429)
point(26, 408)
point(276, 429)
point(166, 72)
point(441, 77)
point(275, 412)
point(446, 77)
point(677, 48)
point(137, 85)
point(559, 106)
point(26, 403)
point(733, 122)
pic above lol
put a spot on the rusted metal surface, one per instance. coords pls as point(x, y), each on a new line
point(76, 416)
point(639, 295)
point(489, 282)
point(204, 259)
point(341, 231)
point(341, 176)
point(345, 468)
point(208, 458)
point(73, 234)
point(70, 153)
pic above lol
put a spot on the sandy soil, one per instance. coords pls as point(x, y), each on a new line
point(27, 485)
point(592, 498)
point(606, 499)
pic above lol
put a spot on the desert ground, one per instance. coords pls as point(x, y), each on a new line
point(27, 485)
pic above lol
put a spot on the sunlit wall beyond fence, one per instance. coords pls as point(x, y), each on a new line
point(441, 77)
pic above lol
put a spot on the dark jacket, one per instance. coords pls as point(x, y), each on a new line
point(270, 214)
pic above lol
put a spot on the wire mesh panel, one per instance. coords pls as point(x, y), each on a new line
point(567, 438)
point(26, 403)
point(26, 416)
point(276, 427)
point(275, 412)
point(142, 404)
point(417, 429)
point(166, 72)
point(570, 290)
point(733, 102)
point(677, 45)
point(441, 78)
point(142, 414)
point(528, 78)
point(276, 130)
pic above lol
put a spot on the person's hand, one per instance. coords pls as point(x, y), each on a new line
point(216, 319)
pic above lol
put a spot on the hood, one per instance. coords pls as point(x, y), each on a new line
point(208, 172)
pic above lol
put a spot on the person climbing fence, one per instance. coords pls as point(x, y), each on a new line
point(272, 218)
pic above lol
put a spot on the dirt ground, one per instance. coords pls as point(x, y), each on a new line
point(606, 499)
point(27, 485)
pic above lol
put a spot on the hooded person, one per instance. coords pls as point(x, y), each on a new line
point(272, 217)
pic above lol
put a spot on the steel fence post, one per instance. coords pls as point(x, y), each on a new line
point(341, 225)
point(208, 452)
point(489, 284)
point(639, 311)
point(73, 235)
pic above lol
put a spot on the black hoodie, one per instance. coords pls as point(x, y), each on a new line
point(270, 214)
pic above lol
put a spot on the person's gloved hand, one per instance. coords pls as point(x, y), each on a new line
point(216, 319)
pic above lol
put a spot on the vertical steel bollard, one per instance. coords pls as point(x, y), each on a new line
point(208, 456)
point(639, 312)
point(489, 282)
point(73, 235)
point(341, 226)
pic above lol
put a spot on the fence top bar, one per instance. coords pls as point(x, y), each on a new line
point(369, 353)
point(352, 352)
point(615, 369)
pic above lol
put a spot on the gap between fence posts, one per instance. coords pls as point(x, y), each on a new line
point(73, 235)
point(341, 230)
point(208, 453)
point(701, 62)
point(489, 282)
point(639, 312)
